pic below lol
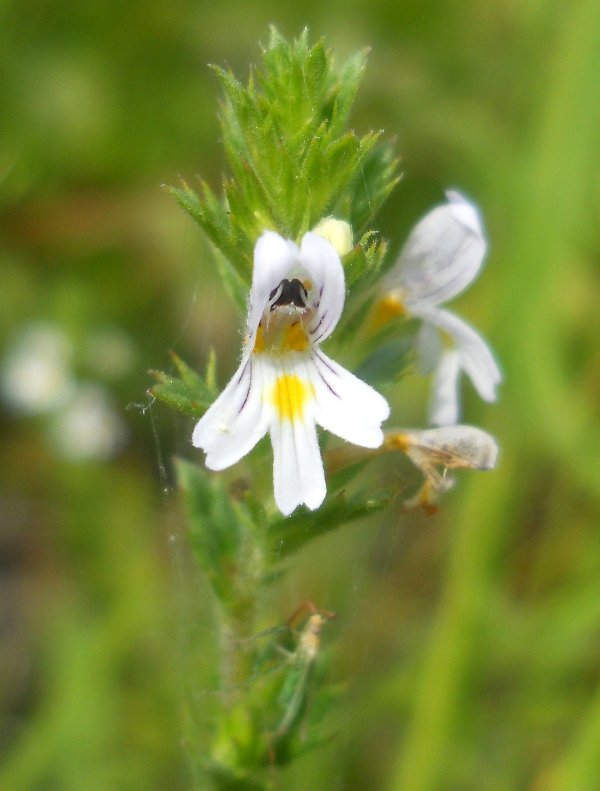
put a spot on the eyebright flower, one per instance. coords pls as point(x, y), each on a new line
point(441, 257)
point(448, 447)
point(285, 385)
point(35, 376)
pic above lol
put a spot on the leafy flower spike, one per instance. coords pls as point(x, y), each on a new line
point(285, 384)
point(441, 257)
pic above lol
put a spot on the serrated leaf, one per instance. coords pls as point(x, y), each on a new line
point(187, 393)
point(373, 182)
point(351, 75)
point(364, 261)
point(216, 531)
point(287, 535)
point(291, 158)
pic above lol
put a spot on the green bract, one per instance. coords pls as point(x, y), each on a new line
point(292, 159)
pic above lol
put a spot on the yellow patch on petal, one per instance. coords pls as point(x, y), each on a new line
point(259, 343)
point(280, 339)
point(388, 308)
point(290, 395)
point(294, 338)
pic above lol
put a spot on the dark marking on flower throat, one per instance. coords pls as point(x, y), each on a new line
point(291, 292)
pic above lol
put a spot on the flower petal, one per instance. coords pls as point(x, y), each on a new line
point(323, 265)
point(444, 406)
point(298, 475)
point(452, 447)
point(239, 417)
point(476, 358)
point(442, 255)
point(428, 349)
point(274, 257)
point(347, 406)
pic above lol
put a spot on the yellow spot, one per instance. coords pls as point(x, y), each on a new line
point(388, 308)
point(294, 338)
point(397, 442)
point(277, 339)
point(259, 343)
point(290, 395)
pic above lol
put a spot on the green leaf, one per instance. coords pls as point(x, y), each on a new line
point(373, 183)
point(287, 535)
point(350, 78)
point(364, 261)
point(291, 159)
point(387, 362)
point(216, 530)
point(187, 392)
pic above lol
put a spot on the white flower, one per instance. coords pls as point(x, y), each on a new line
point(36, 376)
point(88, 428)
point(441, 257)
point(285, 385)
point(449, 447)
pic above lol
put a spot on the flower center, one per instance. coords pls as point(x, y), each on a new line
point(289, 396)
point(281, 328)
point(289, 292)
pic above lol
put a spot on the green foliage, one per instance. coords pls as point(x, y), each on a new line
point(292, 159)
point(266, 681)
point(481, 622)
point(235, 538)
point(283, 698)
point(188, 392)
point(388, 362)
point(365, 259)
point(216, 529)
point(290, 534)
point(274, 696)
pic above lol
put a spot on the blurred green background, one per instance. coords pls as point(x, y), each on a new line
point(467, 645)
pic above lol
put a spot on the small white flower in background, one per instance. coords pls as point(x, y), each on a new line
point(448, 447)
point(88, 428)
point(441, 257)
point(285, 385)
point(36, 376)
